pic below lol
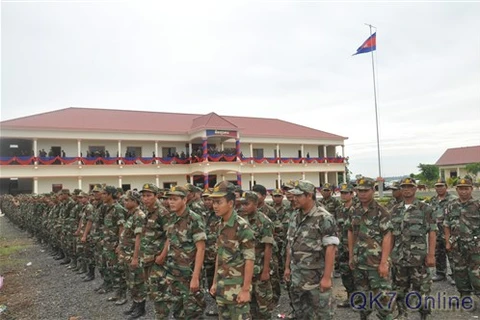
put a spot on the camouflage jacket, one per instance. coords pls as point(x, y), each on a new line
point(463, 219)
point(309, 233)
point(86, 215)
point(235, 244)
point(114, 218)
point(97, 221)
point(184, 232)
point(369, 227)
point(132, 227)
point(392, 203)
point(410, 229)
point(154, 233)
point(262, 228)
point(211, 229)
point(198, 207)
point(331, 204)
point(278, 231)
point(342, 216)
point(439, 206)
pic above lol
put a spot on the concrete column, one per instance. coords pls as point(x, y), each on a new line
point(343, 151)
point(326, 177)
point(345, 176)
point(119, 181)
point(325, 151)
point(302, 151)
point(35, 150)
point(79, 147)
point(252, 178)
point(35, 185)
point(189, 149)
point(458, 172)
point(221, 146)
point(251, 150)
point(279, 178)
point(120, 154)
point(80, 183)
point(303, 175)
point(156, 152)
point(191, 179)
point(336, 178)
point(157, 181)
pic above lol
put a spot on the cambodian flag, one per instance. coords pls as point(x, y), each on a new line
point(369, 45)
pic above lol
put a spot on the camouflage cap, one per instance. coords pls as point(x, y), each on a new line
point(82, 194)
point(222, 188)
point(290, 184)
point(395, 185)
point(192, 188)
point(249, 196)
point(327, 186)
point(110, 190)
point(365, 183)
point(408, 181)
point(277, 192)
point(97, 188)
point(465, 182)
point(440, 182)
point(345, 187)
point(149, 187)
point(133, 195)
point(302, 186)
point(76, 191)
point(65, 191)
point(207, 192)
point(177, 191)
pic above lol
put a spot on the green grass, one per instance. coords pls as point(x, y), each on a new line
point(9, 250)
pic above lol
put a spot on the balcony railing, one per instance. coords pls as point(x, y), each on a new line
point(155, 160)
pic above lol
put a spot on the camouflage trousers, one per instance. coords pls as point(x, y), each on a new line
point(209, 274)
point(466, 258)
point(114, 276)
point(185, 304)
point(441, 253)
point(345, 271)
point(100, 262)
point(234, 311)
point(275, 279)
point(135, 280)
point(417, 279)
point(308, 302)
point(158, 290)
point(262, 303)
point(368, 286)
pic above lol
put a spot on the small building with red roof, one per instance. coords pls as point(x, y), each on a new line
point(453, 161)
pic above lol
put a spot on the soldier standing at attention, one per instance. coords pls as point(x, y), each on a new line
point(329, 203)
point(412, 254)
point(462, 237)
point(261, 305)
point(185, 250)
point(369, 245)
point(396, 195)
point(235, 258)
point(129, 250)
point(439, 203)
point(312, 242)
point(344, 211)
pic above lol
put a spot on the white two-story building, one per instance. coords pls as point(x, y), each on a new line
point(78, 147)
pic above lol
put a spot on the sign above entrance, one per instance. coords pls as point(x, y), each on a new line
point(223, 133)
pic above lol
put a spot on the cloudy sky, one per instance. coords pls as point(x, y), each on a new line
point(290, 60)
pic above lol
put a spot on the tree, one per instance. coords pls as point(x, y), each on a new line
point(429, 172)
point(473, 168)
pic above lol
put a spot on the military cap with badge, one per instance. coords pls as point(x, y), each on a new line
point(303, 186)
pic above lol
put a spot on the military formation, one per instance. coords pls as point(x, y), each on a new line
point(175, 246)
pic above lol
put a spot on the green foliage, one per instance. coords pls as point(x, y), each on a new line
point(473, 168)
point(428, 173)
point(452, 181)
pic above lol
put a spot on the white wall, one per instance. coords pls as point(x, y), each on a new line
point(45, 184)
point(313, 177)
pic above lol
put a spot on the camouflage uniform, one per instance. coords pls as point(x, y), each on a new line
point(135, 278)
point(211, 229)
point(463, 220)
point(308, 236)
point(439, 207)
point(86, 250)
point(113, 220)
point(369, 227)
point(186, 230)
point(152, 244)
point(262, 302)
point(410, 229)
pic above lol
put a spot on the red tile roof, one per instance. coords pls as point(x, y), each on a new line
point(463, 155)
point(106, 120)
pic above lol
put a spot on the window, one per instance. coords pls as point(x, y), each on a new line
point(258, 153)
point(168, 151)
point(57, 187)
point(126, 187)
point(133, 152)
point(168, 185)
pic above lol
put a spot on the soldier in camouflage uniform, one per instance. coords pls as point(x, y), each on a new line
point(462, 236)
point(278, 234)
point(262, 303)
point(66, 234)
point(369, 245)
point(439, 204)
point(152, 245)
point(96, 232)
point(86, 236)
point(344, 211)
point(129, 249)
point(186, 250)
point(235, 258)
point(413, 253)
point(396, 195)
point(194, 202)
point(73, 221)
point(312, 242)
point(281, 209)
point(112, 228)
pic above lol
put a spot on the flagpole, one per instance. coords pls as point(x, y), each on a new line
point(380, 184)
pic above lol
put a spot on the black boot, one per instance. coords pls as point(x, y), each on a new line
point(90, 275)
point(133, 307)
point(73, 264)
point(66, 260)
point(59, 256)
point(139, 311)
